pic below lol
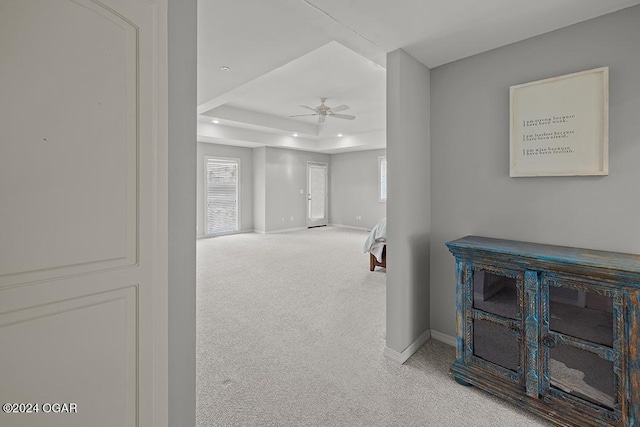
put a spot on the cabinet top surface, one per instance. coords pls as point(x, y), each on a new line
point(541, 252)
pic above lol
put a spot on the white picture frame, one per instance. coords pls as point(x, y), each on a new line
point(560, 126)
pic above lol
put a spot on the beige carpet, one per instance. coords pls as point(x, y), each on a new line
point(291, 332)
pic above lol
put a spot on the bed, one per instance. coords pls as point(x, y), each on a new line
point(376, 245)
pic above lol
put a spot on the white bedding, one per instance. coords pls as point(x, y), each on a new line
point(377, 239)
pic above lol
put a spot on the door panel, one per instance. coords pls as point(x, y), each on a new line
point(69, 176)
point(317, 214)
point(60, 350)
point(82, 220)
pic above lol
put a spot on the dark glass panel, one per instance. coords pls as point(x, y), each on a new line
point(582, 374)
point(581, 314)
point(496, 344)
point(495, 294)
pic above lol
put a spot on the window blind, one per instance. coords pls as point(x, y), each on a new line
point(222, 196)
point(382, 174)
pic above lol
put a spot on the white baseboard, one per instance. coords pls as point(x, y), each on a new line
point(407, 352)
point(447, 339)
point(351, 227)
point(286, 230)
point(209, 236)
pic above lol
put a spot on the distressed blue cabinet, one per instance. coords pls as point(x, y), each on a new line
point(552, 329)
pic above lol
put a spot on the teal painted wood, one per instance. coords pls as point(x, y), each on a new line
point(511, 324)
point(468, 304)
point(632, 331)
point(543, 330)
point(460, 310)
point(622, 263)
point(602, 351)
point(532, 322)
point(618, 342)
point(539, 266)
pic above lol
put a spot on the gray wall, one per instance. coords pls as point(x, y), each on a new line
point(471, 189)
point(181, 268)
point(246, 181)
point(354, 189)
point(271, 180)
point(285, 176)
point(259, 188)
point(408, 202)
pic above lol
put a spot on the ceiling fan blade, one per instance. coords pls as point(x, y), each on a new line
point(340, 108)
point(303, 115)
point(306, 106)
point(321, 118)
point(343, 116)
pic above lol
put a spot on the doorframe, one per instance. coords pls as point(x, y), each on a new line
point(175, 400)
point(311, 223)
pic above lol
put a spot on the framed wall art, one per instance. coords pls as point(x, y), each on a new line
point(560, 126)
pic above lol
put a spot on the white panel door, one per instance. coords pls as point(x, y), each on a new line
point(83, 215)
point(317, 183)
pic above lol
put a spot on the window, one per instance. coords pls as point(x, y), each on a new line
point(382, 178)
point(221, 195)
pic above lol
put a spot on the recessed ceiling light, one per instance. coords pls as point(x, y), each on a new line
point(225, 68)
point(295, 134)
point(339, 135)
point(215, 121)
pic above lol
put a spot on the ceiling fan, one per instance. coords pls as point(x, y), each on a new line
point(323, 111)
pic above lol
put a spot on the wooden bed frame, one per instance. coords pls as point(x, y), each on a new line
point(373, 262)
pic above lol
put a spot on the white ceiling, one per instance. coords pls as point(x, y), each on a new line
point(287, 53)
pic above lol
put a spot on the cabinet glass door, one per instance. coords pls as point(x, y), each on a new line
point(581, 342)
point(496, 320)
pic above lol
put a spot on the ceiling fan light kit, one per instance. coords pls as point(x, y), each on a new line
point(323, 111)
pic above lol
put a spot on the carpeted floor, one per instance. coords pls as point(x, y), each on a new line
point(291, 332)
